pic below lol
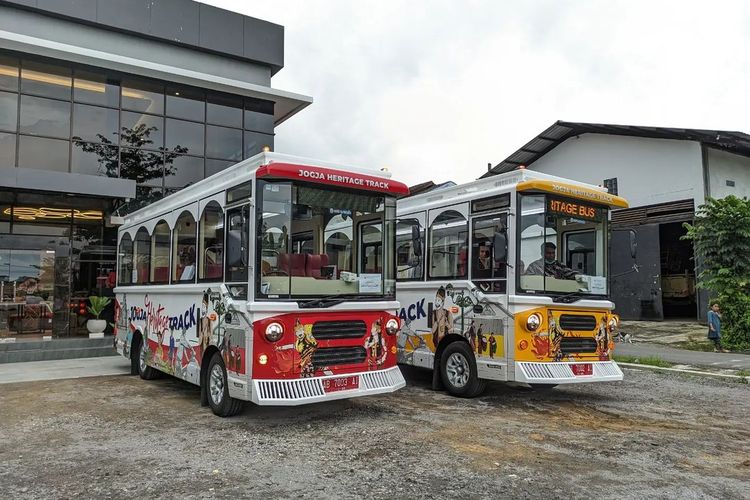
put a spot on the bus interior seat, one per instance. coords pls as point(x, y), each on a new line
point(161, 274)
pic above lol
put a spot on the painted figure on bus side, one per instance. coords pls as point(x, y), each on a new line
point(555, 339)
point(602, 340)
point(442, 319)
point(493, 346)
point(204, 328)
point(471, 336)
point(375, 345)
point(481, 341)
point(305, 344)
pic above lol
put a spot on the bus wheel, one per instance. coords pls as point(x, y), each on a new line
point(145, 371)
point(218, 389)
point(458, 370)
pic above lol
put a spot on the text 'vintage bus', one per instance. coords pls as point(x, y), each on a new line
point(272, 281)
point(509, 282)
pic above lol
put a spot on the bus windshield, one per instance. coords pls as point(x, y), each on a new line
point(562, 246)
point(316, 241)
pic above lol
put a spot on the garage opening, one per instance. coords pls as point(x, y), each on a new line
point(677, 273)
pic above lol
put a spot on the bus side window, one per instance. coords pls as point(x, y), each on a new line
point(237, 241)
point(125, 269)
point(212, 243)
point(142, 257)
point(449, 241)
point(409, 259)
point(159, 272)
point(183, 249)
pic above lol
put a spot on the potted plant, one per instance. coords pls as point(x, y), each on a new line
point(96, 326)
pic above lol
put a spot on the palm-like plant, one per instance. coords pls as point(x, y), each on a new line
point(98, 304)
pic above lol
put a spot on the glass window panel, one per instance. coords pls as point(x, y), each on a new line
point(214, 166)
point(211, 243)
point(259, 115)
point(160, 241)
point(94, 159)
point(8, 74)
point(94, 123)
point(8, 111)
point(186, 137)
point(45, 79)
point(143, 96)
point(184, 171)
point(7, 150)
point(224, 143)
point(238, 221)
point(254, 143)
point(96, 89)
point(224, 110)
point(183, 253)
point(409, 262)
point(141, 130)
point(186, 103)
point(125, 266)
point(42, 153)
point(144, 167)
point(142, 257)
point(46, 117)
point(449, 252)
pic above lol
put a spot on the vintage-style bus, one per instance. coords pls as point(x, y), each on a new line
point(505, 278)
point(272, 281)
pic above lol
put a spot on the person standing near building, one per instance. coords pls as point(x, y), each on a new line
point(714, 327)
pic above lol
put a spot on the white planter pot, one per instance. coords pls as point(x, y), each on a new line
point(96, 328)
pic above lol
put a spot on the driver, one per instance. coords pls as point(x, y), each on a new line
point(549, 266)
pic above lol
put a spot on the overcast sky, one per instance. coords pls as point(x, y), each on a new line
point(435, 90)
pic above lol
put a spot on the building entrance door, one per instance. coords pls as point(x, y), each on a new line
point(34, 286)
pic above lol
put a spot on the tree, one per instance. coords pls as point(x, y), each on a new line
point(721, 235)
point(133, 161)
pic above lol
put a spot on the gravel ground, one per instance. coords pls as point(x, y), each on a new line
point(652, 436)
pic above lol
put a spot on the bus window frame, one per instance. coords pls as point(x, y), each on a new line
point(434, 213)
point(419, 218)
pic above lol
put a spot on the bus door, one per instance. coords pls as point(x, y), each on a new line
point(488, 257)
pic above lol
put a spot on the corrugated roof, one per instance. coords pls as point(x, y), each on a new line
point(560, 131)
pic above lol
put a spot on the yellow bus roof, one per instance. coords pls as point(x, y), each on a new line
point(573, 191)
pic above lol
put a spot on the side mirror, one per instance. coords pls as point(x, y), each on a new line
point(633, 244)
point(478, 309)
point(500, 247)
point(228, 317)
point(416, 240)
point(244, 235)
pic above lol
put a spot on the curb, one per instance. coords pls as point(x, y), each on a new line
point(681, 370)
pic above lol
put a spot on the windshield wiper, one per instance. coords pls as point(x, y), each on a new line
point(568, 298)
point(328, 301)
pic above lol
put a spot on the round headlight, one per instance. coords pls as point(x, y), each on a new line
point(391, 326)
point(533, 322)
point(612, 324)
point(274, 331)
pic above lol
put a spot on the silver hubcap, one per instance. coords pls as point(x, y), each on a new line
point(142, 357)
point(216, 384)
point(458, 370)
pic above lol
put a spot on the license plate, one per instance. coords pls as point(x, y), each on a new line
point(582, 369)
point(341, 383)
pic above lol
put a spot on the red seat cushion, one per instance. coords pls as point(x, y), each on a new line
point(314, 264)
point(161, 274)
point(298, 264)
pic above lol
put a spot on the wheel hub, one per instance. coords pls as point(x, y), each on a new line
point(457, 369)
point(216, 384)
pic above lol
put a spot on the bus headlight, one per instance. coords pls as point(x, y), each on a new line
point(612, 324)
point(533, 322)
point(391, 326)
point(274, 331)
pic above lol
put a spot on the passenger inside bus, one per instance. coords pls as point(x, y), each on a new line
point(188, 263)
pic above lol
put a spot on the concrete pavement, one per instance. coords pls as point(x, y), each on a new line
point(716, 360)
point(63, 368)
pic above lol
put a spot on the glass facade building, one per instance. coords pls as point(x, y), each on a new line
point(136, 101)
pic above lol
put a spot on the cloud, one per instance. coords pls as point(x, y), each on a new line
point(435, 90)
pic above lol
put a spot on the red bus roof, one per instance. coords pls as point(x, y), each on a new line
point(332, 177)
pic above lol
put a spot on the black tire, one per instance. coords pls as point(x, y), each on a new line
point(458, 370)
point(218, 395)
point(146, 372)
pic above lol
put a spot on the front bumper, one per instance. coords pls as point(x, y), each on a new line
point(561, 373)
point(310, 390)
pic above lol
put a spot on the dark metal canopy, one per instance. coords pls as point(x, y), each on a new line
point(560, 131)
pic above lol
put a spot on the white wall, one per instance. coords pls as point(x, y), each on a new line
point(648, 171)
point(723, 166)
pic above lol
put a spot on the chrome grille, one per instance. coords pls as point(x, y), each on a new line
point(325, 330)
point(569, 345)
point(289, 389)
point(576, 322)
point(333, 356)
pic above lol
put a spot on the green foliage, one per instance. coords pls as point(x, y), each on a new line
point(98, 304)
point(648, 360)
point(721, 235)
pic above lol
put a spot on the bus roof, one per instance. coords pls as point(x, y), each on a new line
point(518, 180)
point(272, 165)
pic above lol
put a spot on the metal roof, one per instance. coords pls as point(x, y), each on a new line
point(560, 131)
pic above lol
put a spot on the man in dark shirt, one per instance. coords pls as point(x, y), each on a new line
point(549, 266)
